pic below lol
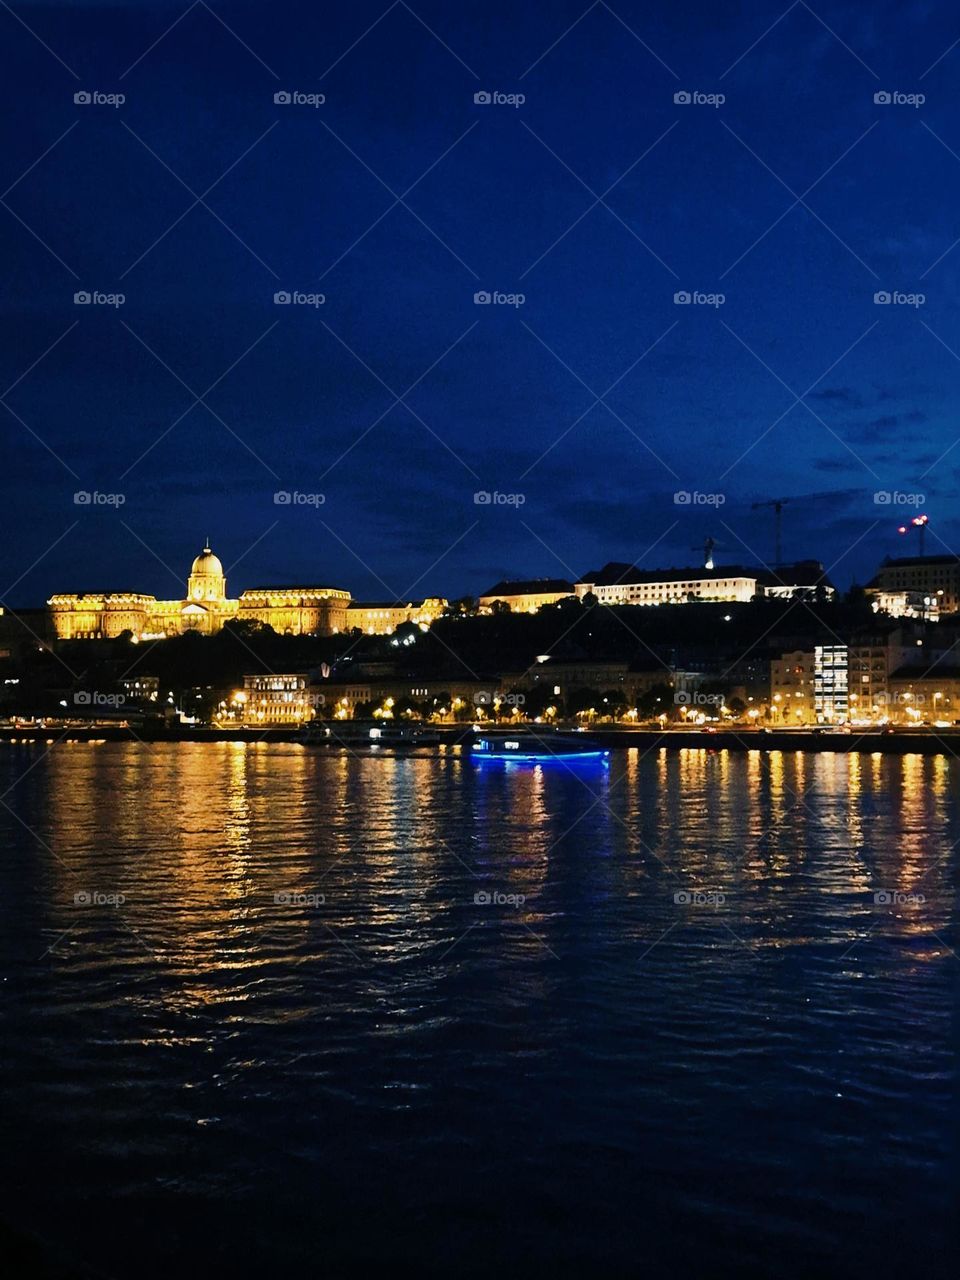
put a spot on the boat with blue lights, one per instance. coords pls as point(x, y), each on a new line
point(535, 745)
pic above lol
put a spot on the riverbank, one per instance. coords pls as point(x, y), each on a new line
point(886, 742)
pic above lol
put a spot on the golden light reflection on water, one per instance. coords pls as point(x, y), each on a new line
point(848, 827)
point(202, 838)
point(237, 808)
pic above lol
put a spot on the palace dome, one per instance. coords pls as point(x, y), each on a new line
point(207, 564)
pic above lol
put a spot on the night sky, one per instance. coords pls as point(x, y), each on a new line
point(598, 199)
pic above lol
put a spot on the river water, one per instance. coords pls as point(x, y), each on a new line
point(278, 1010)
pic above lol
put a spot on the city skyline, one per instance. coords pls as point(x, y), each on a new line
point(422, 288)
point(151, 576)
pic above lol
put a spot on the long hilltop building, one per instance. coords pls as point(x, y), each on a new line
point(206, 607)
point(619, 583)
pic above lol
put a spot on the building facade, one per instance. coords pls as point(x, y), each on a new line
point(276, 701)
point(141, 688)
point(917, 585)
point(831, 664)
point(382, 619)
point(100, 615)
point(905, 604)
point(341, 698)
point(928, 695)
point(872, 660)
point(297, 611)
point(863, 681)
point(792, 688)
point(625, 584)
point(804, 580)
point(205, 608)
point(526, 596)
point(563, 678)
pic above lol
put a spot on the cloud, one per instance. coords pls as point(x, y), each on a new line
point(885, 424)
point(837, 395)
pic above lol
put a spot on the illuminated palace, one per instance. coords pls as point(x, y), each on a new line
point(288, 610)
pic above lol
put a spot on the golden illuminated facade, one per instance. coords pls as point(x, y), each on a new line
point(95, 616)
point(925, 697)
point(276, 701)
point(297, 611)
point(383, 619)
point(525, 596)
point(288, 610)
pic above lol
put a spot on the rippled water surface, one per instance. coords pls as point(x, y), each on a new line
point(683, 1038)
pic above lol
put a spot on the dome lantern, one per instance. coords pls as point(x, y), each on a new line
point(207, 580)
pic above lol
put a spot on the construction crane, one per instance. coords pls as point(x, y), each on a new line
point(920, 524)
point(777, 504)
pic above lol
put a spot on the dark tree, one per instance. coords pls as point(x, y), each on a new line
point(655, 701)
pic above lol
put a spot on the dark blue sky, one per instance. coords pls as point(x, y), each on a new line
point(598, 199)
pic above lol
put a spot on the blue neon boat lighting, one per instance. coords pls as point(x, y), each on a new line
point(509, 749)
